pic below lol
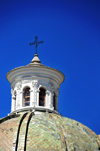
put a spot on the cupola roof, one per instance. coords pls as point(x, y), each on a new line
point(35, 67)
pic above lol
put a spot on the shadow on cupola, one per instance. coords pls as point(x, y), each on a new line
point(54, 100)
point(26, 96)
point(42, 96)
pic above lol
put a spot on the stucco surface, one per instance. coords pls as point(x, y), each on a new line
point(45, 132)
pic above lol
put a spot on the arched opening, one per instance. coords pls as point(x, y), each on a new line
point(54, 101)
point(27, 96)
point(42, 97)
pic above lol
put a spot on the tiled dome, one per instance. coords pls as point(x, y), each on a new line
point(45, 131)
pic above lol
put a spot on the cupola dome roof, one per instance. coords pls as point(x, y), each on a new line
point(45, 132)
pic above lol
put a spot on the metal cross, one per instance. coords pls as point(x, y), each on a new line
point(36, 43)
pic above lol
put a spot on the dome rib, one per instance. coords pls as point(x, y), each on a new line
point(65, 134)
point(59, 125)
point(29, 118)
point(17, 131)
point(21, 134)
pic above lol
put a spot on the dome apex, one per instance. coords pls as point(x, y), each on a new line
point(36, 59)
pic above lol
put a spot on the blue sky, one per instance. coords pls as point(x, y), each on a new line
point(71, 33)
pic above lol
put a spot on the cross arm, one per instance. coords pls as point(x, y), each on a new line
point(32, 43)
point(40, 42)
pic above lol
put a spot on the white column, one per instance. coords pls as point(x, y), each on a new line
point(47, 99)
point(51, 100)
point(51, 86)
point(21, 99)
point(18, 96)
point(12, 109)
point(35, 88)
point(31, 97)
point(38, 97)
point(13, 100)
point(12, 92)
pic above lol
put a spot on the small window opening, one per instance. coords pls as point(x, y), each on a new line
point(54, 101)
point(27, 97)
point(42, 97)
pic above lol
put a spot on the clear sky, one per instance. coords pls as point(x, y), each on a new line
point(70, 30)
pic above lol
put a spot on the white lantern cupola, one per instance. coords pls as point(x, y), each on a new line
point(34, 86)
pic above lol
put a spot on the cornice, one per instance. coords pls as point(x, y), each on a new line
point(28, 69)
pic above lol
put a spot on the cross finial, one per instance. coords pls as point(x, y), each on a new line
point(36, 43)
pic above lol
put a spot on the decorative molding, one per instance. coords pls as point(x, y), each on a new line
point(26, 81)
point(42, 86)
point(35, 83)
point(47, 92)
point(34, 77)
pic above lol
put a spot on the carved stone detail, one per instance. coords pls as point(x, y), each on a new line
point(18, 95)
point(47, 92)
point(35, 83)
point(18, 86)
point(13, 103)
point(35, 87)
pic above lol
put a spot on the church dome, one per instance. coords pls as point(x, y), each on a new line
point(45, 131)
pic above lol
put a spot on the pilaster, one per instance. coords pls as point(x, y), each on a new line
point(35, 88)
point(12, 101)
point(18, 95)
point(51, 86)
point(47, 99)
point(38, 97)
